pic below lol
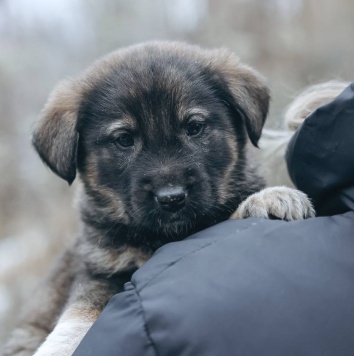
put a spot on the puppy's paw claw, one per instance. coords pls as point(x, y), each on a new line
point(276, 203)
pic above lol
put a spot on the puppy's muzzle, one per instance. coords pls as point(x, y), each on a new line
point(171, 199)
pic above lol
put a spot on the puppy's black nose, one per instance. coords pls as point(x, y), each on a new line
point(171, 198)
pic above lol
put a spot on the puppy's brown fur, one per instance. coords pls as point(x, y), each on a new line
point(158, 135)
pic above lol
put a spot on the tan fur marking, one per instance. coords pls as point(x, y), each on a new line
point(114, 206)
point(80, 313)
point(110, 261)
point(126, 123)
point(185, 113)
point(226, 184)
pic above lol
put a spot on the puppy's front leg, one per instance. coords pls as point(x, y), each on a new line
point(45, 305)
point(70, 330)
point(85, 305)
point(276, 202)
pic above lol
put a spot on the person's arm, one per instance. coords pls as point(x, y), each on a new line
point(246, 287)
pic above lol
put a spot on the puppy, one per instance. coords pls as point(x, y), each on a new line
point(158, 135)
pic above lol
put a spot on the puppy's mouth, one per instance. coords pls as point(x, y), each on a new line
point(172, 219)
point(170, 223)
point(175, 225)
point(172, 212)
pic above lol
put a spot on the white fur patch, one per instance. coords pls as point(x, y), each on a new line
point(65, 338)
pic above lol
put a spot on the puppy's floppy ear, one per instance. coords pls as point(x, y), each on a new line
point(249, 92)
point(55, 137)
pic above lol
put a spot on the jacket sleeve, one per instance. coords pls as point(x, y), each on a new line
point(320, 155)
point(247, 287)
point(120, 330)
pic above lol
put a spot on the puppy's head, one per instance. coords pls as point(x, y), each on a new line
point(157, 133)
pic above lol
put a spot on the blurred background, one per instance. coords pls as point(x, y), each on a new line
point(294, 43)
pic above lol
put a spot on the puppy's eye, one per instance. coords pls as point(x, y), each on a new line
point(195, 128)
point(125, 140)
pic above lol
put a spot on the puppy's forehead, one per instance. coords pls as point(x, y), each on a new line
point(152, 93)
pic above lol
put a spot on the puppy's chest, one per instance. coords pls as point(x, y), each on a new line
point(109, 261)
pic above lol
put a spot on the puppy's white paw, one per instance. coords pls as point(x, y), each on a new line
point(276, 203)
